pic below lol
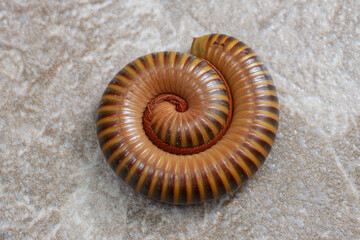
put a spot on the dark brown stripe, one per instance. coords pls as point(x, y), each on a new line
point(208, 130)
point(196, 198)
point(255, 152)
point(158, 186)
point(146, 184)
point(189, 141)
point(268, 108)
point(182, 192)
point(246, 159)
point(200, 137)
point(267, 119)
point(261, 142)
point(170, 188)
point(239, 169)
point(209, 194)
point(117, 160)
point(220, 113)
point(229, 176)
point(136, 176)
point(264, 130)
point(126, 168)
point(219, 183)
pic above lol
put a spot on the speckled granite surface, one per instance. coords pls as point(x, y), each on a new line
point(56, 58)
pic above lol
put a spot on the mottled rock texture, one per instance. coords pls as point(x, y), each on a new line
point(56, 58)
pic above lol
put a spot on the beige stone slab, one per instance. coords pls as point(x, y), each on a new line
point(56, 57)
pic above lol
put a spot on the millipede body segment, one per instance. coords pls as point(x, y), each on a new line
point(185, 128)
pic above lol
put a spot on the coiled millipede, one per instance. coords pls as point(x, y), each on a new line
point(185, 128)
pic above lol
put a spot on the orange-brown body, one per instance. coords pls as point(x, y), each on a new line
point(185, 128)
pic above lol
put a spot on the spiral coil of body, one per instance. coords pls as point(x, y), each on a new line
point(185, 128)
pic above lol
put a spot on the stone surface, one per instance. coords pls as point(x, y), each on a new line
point(56, 58)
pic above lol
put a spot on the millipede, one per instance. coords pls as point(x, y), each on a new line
point(186, 128)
